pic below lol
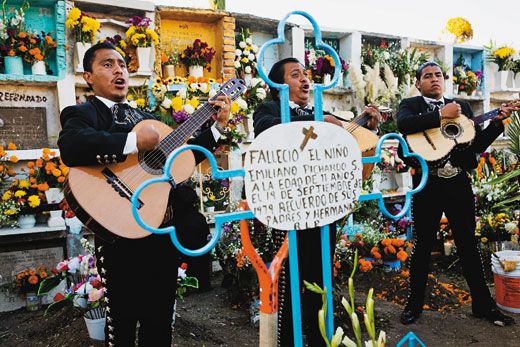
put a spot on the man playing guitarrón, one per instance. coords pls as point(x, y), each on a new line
point(140, 275)
point(447, 190)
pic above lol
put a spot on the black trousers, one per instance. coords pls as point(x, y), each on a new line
point(310, 269)
point(455, 198)
point(140, 277)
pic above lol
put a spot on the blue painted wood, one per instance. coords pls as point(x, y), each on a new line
point(473, 57)
point(48, 16)
point(410, 340)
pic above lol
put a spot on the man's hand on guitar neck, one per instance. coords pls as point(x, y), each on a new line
point(505, 111)
point(224, 104)
point(450, 111)
point(374, 116)
point(147, 138)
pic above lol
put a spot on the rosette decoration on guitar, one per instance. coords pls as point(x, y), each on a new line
point(297, 175)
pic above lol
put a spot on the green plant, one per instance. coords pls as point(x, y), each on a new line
point(350, 307)
point(513, 131)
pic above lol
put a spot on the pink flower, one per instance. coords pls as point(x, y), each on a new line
point(96, 294)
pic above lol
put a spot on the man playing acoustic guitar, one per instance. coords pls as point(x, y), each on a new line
point(447, 190)
point(139, 274)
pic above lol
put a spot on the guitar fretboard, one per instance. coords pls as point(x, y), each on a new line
point(488, 115)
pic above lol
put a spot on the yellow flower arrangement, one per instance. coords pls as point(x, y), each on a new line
point(504, 52)
point(460, 28)
point(502, 56)
point(84, 26)
point(139, 34)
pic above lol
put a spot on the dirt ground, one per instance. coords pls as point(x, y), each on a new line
point(209, 319)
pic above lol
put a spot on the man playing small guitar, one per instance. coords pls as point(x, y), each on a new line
point(140, 274)
point(447, 190)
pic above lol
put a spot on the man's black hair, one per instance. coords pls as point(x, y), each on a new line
point(423, 66)
point(88, 59)
point(277, 73)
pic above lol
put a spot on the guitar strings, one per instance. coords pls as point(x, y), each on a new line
point(168, 143)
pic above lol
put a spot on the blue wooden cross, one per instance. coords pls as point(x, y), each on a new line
point(242, 215)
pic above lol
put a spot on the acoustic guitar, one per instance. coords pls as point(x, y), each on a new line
point(100, 195)
point(435, 144)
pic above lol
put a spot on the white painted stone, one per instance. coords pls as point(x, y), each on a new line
point(290, 188)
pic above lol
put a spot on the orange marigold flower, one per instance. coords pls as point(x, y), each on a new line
point(33, 41)
point(377, 255)
point(64, 169)
point(397, 243)
point(22, 35)
point(39, 57)
point(32, 272)
point(11, 146)
point(365, 265)
point(11, 53)
point(30, 164)
point(11, 172)
point(43, 187)
point(192, 79)
point(386, 242)
point(33, 279)
point(390, 249)
point(14, 159)
point(61, 179)
point(56, 172)
point(402, 256)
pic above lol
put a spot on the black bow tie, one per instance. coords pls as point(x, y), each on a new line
point(121, 112)
point(435, 105)
point(303, 111)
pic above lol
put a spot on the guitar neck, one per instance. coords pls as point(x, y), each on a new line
point(182, 133)
point(486, 116)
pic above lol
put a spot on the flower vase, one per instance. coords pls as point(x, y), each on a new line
point(250, 129)
point(80, 301)
point(54, 195)
point(32, 301)
point(143, 57)
point(326, 79)
point(56, 219)
point(74, 224)
point(516, 80)
point(387, 182)
point(501, 80)
point(455, 89)
point(81, 48)
point(168, 71)
point(95, 320)
point(463, 93)
point(247, 79)
point(196, 71)
point(13, 65)
point(340, 80)
point(38, 68)
point(26, 221)
point(403, 181)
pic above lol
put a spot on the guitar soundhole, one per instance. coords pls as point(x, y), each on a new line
point(153, 161)
point(452, 130)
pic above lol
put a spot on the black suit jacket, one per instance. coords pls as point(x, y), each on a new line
point(413, 117)
point(86, 134)
point(268, 114)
